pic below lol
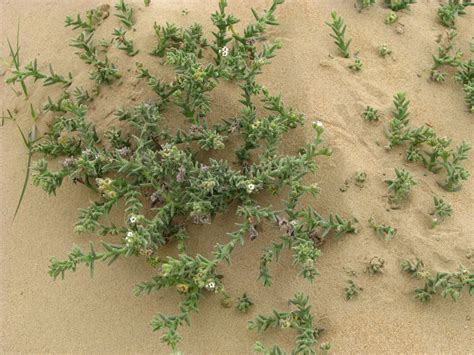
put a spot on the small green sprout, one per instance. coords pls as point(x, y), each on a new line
point(446, 283)
point(244, 303)
point(351, 290)
point(356, 66)
point(122, 43)
point(375, 266)
point(397, 5)
point(383, 231)
point(300, 319)
point(364, 4)
point(454, 170)
point(370, 114)
point(400, 187)
point(360, 179)
point(384, 50)
point(441, 212)
point(339, 28)
point(445, 57)
point(391, 18)
point(447, 13)
point(124, 13)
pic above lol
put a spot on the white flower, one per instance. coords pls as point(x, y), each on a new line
point(250, 188)
point(224, 51)
point(129, 234)
point(318, 123)
point(133, 219)
point(210, 286)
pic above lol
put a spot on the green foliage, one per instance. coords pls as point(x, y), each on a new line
point(244, 303)
point(465, 76)
point(299, 319)
point(360, 179)
point(441, 212)
point(375, 266)
point(384, 50)
point(448, 284)
point(164, 182)
point(93, 18)
point(447, 13)
point(364, 4)
point(352, 290)
point(122, 43)
point(445, 56)
point(124, 13)
point(383, 231)
point(370, 114)
point(391, 18)
point(356, 66)
point(397, 5)
point(426, 146)
point(31, 71)
point(339, 28)
point(400, 187)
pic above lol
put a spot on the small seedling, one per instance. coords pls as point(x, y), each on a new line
point(370, 114)
point(122, 43)
point(383, 231)
point(364, 4)
point(397, 5)
point(339, 28)
point(124, 13)
point(360, 179)
point(445, 283)
point(244, 303)
point(384, 50)
point(93, 18)
point(299, 319)
point(445, 57)
point(454, 170)
point(356, 66)
point(375, 266)
point(391, 18)
point(399, 122)
point(441, 212)
point(351, 290)
point(400, 187)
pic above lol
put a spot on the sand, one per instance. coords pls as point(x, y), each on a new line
point(100, 315)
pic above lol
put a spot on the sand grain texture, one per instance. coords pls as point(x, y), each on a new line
point(100, 315)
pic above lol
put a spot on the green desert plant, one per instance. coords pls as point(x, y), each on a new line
point(383, 231)
point(445, 56)
point(356, 66)
point(391, 18)
point(441, 212)
point(244, 303)
point(352, 290)
point(299, 319)
point(93, 18)
point(448, 284)
point(465, 76)
point(364, 4)
point(370, 114)
point(124, 13)
point(164, 182)
point(400, 187)
point(339, 30)
point(397, 5)
point(360, 179)
point(375, 266)
point(447, 13)
point(122, 43)
point(384, 50)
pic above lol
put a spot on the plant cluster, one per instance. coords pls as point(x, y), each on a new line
point(370, 114)
point(465, 76)
point(352, 290)
point(122, 43)
point(299, 319)
point(165, 185)
point(397, 5)
point(441, 212)
point(125, 14)
point(339, 30)
point(384, 50)
point(383, 231)
point(400, 187)
point(360, 179)
point(447, 13)
point(364, 4)
point(391, 18)
point(93, 18)
point(426, 146)
point(375, 266)
point(445, 56)
point(244, 303)
point(444, 283)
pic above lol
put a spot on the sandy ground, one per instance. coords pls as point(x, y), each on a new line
point(100, 315)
